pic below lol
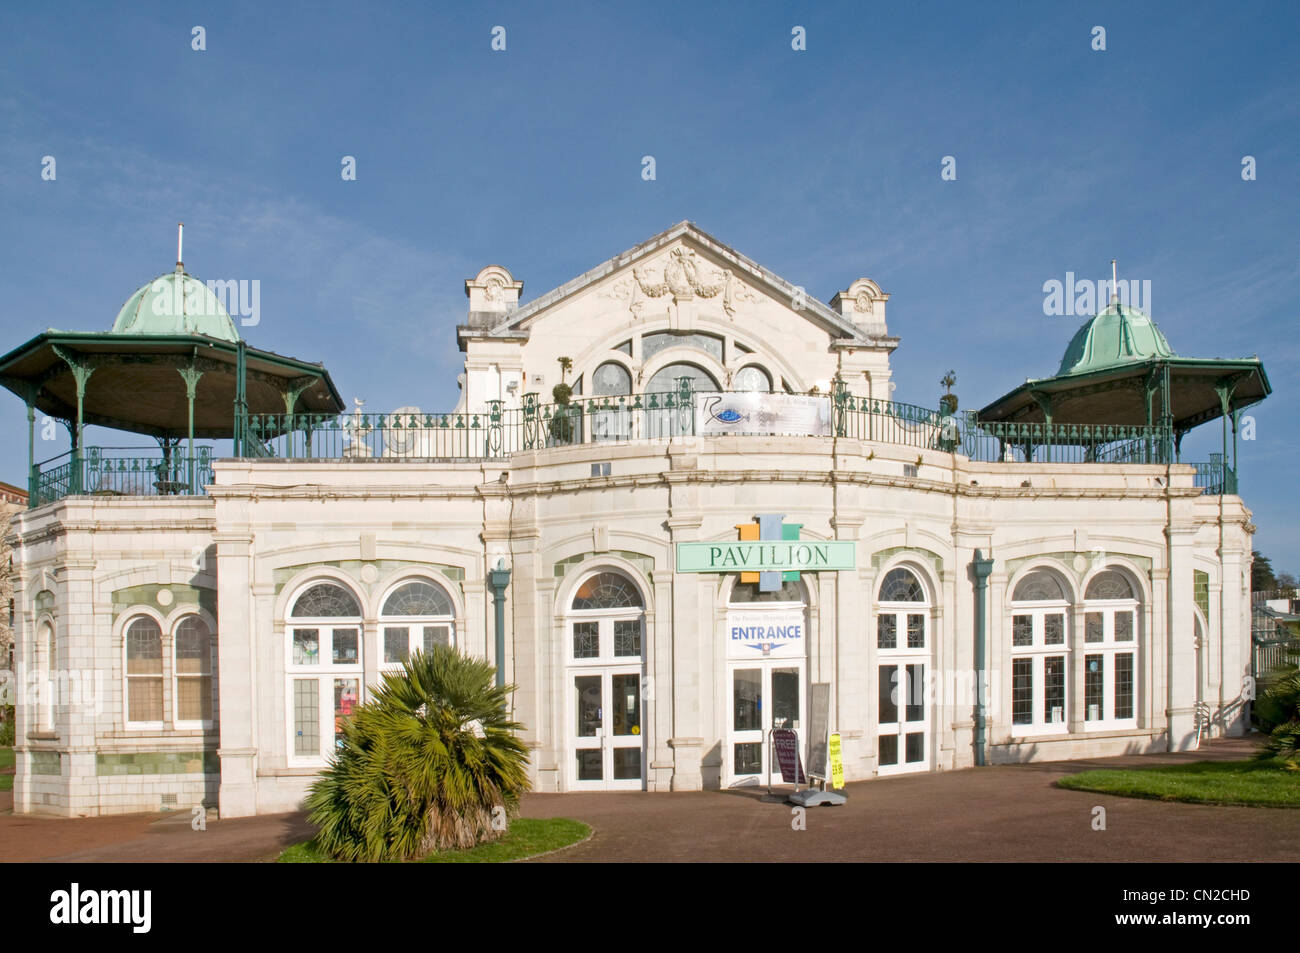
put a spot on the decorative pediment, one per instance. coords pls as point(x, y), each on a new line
point(677, 266)
point(680, 275)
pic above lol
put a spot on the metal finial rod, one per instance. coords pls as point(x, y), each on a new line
point(1114, 281)
point(180, 240)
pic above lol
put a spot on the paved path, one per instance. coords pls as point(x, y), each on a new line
point(1007, 813)
point(1004, 813)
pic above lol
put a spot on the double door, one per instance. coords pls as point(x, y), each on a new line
point(903, 716)
point(608, 741)
point(764, 695)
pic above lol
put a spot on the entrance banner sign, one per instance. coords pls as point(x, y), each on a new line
point(792, 415)
point(786, 743)
point(765, 633)
point(837, 762)
point(765, 556)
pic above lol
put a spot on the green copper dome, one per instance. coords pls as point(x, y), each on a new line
point(1119, 335)
point(175, 303)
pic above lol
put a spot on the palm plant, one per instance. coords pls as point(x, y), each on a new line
point(1277, 711)
point(425, 766)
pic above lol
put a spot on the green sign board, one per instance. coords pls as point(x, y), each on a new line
point(767, 556)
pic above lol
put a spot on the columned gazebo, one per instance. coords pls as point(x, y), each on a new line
point(1119, 371)
point(173, 367)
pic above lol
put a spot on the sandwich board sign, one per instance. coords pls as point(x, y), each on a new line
point(837, 761)
point(786, 743)
point(819, 717)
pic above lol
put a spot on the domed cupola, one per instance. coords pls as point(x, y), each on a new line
point(1119, 335)
point(175, 303)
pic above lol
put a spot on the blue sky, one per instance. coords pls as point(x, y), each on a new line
point(823, 165)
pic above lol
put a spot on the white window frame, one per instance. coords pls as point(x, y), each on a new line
point(1109, 649)
point(161, 677)
point(1038, 652)
point(605, 619)
point(325, 671)
point(415, 624)
point(177, 677)
point(901, 655)
point(47, 669)
point(605, 665)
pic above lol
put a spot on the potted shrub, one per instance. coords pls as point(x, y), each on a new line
point(562, 420)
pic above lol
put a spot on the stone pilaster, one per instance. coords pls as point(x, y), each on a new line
point(1181, 704)
point(238, 682)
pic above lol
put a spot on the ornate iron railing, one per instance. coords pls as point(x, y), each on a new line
point(1215, 478)
point(498, 432)
point(120, 471)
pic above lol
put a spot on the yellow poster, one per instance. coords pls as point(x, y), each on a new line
point(837, 763)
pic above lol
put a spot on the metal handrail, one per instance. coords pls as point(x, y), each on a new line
point(498, 432)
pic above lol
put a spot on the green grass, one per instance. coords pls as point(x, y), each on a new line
point(1247, 783)
point(6, 762)
point(526, 838)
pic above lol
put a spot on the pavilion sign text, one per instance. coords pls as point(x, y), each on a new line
point(767, 556)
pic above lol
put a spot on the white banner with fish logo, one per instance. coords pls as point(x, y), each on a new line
point(791, 415)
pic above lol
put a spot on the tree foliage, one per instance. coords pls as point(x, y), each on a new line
point(424, 766)
point(1277, 712)
point(1261, 573)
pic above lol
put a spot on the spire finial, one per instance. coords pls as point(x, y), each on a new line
point(180, 239)
point(1114, 282)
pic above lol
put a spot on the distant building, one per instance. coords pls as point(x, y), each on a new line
point(12, 500)
point(725, 516)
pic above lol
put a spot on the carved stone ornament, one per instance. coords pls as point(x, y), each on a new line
point(683, 276)
point(863, 303)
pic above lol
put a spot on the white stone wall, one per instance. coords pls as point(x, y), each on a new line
point(786, 333)
point(271, 525)
point(73, 556)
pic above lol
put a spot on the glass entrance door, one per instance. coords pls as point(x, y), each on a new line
point(903, 723)
point(608, 744)
point(763, 696)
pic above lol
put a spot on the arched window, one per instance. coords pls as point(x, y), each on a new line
point(1110, 639)
point(665, 379)
point(416, 616)
point(899, 589)
point(49, 671)
point(751, 378)
point(652, 344)
point(193, 647)
point(1038, 586)
point(902, 648)
point(1109, 584)
point(744, 593)
point(611, 380)
point(325, 600)
point(607, 590)
point(1039, 652)
point(901, 585)
point(607, 618)
point(605, 628)
point(323, 668)
point(144, 672)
